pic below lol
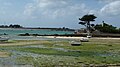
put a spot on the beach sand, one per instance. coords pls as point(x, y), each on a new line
point(32, 42)
point(63, 37)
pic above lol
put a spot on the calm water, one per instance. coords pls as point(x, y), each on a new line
point(12, 34)
point(31, 31)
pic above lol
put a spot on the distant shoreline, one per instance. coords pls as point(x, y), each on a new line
point(65, 35)
point(57, 29)
point(73, 35)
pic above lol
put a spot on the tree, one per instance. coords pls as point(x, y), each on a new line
point(15, 26)
point(107, 28)
point(85, 20)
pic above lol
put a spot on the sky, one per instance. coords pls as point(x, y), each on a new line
point(58, 13)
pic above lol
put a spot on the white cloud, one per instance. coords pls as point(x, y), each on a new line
point(29, 9)
point(57, 12)
point(54, 8)
point(107, 1)
point(54, 12)
point(111, 9)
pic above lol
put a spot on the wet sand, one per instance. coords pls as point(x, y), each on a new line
point(63, 37)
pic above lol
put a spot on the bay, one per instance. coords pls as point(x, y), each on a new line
point(12, 31)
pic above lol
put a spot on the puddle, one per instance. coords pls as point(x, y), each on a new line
point(9, 65)
point(61, 49)
point(36, 46)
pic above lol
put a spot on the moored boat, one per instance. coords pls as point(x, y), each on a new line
point(75, 43)
point(4, 38)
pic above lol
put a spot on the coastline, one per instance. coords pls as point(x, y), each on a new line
point(38, 28)
point(65, 37)
point(74, 35)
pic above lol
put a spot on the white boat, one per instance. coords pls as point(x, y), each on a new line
point(84, 39)
point(4, 38)
point(75, 43)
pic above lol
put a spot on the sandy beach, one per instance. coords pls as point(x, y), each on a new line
point(28, 42)
point(63, 37)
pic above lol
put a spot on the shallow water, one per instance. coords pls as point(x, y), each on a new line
point(10, 31)
point(9, 65)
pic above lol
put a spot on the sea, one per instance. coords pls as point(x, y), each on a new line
point(13, 33)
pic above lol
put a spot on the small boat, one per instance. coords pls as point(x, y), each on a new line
point(84, 39)
point(75, 43)
point(4, 38)
point(89, 36)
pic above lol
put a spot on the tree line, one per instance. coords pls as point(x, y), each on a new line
point(11, 26)
point(107, 28)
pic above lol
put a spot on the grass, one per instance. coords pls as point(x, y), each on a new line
point(97, 51)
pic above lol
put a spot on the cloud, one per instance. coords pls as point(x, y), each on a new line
point(106, 1)
point(111, 9)
point(56, 12)
point(54, 8)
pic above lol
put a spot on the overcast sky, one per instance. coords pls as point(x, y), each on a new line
point(57, 13)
